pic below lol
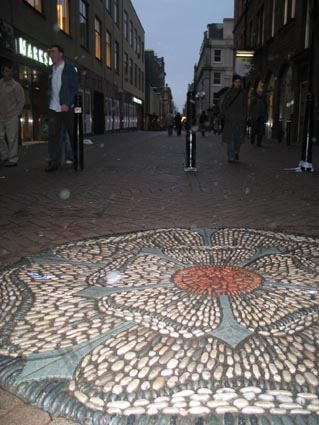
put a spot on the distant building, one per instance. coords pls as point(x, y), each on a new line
point(104, 40)
point(281, 35)
point(214, 69)
point(158, 96)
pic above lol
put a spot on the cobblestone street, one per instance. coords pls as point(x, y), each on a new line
point(135, 293)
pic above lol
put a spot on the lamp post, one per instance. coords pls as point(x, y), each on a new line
point(307, 135)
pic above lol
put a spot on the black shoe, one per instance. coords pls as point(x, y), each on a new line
point(10, 164)
point(51, 167)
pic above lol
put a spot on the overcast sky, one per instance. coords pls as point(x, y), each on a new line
point(174, 29)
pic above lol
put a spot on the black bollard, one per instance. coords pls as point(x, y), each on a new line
point(190, 161)
point(78, 162)
point(288, 132)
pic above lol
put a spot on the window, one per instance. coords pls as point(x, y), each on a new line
point(125, 25)
point(260, 21)
point(139, 47)
point(217, 77)
point(217, 55)
point(116, 57)
point(125, 60)
point(98, 39)
point(135, 41)
point(37, 4)
point(131, 34)
point(108, 55)
point(131, 71)
point(215, 99)
point(116, 11)
point(289, 10)
point(108, 5)
point(139, 78)
point(135, 75)
point(142, 81)
point(63, 14)
point(273, 21)
point(84, 25)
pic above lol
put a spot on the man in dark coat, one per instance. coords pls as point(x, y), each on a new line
point(258, 115)
point(234, 112)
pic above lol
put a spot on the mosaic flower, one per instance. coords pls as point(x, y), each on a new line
point(177, 321)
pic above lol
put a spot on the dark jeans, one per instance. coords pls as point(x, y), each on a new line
point(233, 147)
point(257, 129)
point(56, 119)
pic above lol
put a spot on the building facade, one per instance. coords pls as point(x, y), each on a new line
point(215, 66)
point(281, 35)
point(158, 98)
point(104, 40)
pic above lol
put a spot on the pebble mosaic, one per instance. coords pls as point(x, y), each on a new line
point(170, 326)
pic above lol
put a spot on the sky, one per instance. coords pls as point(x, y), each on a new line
point(174, 29)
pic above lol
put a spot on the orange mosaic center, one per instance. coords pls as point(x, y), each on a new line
point(217, 280)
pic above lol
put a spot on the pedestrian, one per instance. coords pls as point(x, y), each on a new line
point(178, 124)
point(63, 87)
point(169, 121)
point(203, 122)
point(234, 112)
point(258, 113)
point(12, 101)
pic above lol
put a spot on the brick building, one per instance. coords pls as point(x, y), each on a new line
point(105, 42)
point(279, 32)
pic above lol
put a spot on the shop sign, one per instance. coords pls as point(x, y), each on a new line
point(244, 62)
point(137, 100)
point(30, 51)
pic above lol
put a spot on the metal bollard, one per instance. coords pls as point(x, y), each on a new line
point(288, 132)
point(78, 162)
point(190, 162)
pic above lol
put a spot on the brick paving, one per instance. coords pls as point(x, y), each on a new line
point(136, 181)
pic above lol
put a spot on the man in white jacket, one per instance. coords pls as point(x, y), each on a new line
point(11, 104)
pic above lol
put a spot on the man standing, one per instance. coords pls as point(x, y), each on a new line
point(234, 111)
point(11, 104)
point(63, 86)
point(258, 114)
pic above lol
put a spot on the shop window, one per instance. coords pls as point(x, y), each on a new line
point(108, 50)
point(98, 38)
point(63, 15)
point(36, 4)
point(84, 24)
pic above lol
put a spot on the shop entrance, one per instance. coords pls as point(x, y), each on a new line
point(34, 120)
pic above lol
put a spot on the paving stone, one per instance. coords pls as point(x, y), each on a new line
point(25, 416)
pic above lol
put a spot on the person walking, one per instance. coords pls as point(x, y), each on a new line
point(258, 113)
point(178, 124)
point(169, 121)
point(63, 87)
point(234, 112)
point(12, 101)
point(203, 122)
